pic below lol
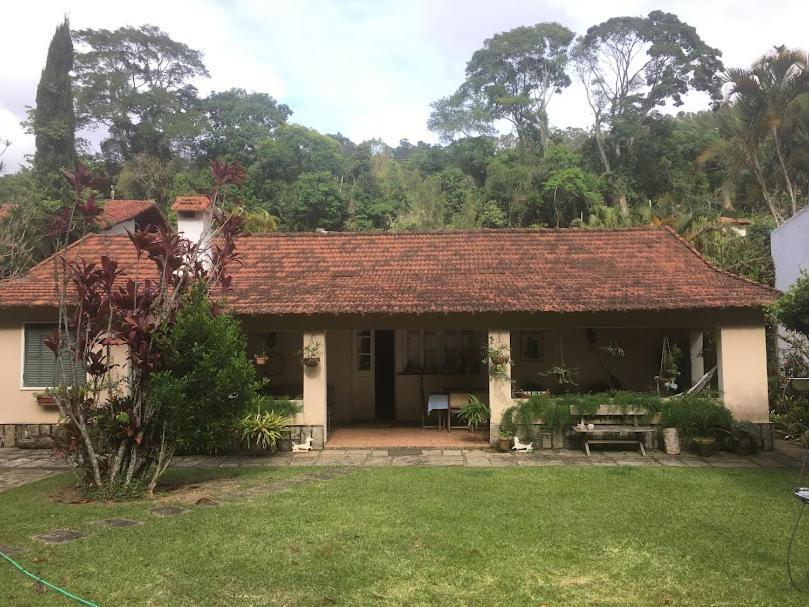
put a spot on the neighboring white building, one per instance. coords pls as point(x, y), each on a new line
point(789, 244)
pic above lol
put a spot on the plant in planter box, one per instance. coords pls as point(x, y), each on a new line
point(310, 354)
point(46, 398)
point(497, 358)
point(700, 420)
point(475, 413)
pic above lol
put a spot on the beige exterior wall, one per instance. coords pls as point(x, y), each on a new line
point(314, 384)
point(18, 405)
point(499, 387)
point(742, 362)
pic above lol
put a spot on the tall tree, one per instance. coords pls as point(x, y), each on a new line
point(136, 81)
point(53, 121)
point(766, 99)
point(513, 77)
point(631, 65)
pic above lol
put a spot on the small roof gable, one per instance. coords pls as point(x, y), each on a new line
point(119, 211)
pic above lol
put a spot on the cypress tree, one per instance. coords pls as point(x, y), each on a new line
point(53, 120)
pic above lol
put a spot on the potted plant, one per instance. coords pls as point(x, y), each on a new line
point(46, 399)
point(311, 354)
point(699, 419)
point(475, 413)
point(497, 358)
point(261, 357)
point(504, 441)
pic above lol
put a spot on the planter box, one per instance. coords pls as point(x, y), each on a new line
point(46, 401)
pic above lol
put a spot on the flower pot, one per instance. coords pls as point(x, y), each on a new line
point(499, 360)
point(504, 442)
point(46, 401)
point(671, 441)
point(311, 361)
point(261, 360)
point(705, 446)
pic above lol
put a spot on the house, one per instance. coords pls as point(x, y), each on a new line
point(117, 216)
point(396, 316)
point(789, 244)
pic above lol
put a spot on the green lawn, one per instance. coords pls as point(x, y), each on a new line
point(427, 536)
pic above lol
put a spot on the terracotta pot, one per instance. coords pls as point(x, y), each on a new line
point(311, 361)
point(705, 446)
point(504, 443)
point(46, 401)
point(261, 360)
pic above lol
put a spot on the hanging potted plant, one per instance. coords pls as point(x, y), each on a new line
point(497, 358)
point(261, 357)
point(311, 354)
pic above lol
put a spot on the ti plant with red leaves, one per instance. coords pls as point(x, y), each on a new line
point(113, 430)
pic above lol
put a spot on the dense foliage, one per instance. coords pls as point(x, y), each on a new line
point(744, 155)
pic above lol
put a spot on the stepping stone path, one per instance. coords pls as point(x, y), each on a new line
point(208, 502)
point(60, 536)
point(165, 511)
point(118, 522)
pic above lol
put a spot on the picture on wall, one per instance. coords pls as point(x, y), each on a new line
point(530, 346)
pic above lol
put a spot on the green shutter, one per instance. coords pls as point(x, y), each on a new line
point(39, 362)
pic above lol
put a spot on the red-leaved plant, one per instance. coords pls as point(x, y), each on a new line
point(117, 434)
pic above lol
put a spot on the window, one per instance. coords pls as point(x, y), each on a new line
point(363, 350)
point(443, 351)
point(39, 362)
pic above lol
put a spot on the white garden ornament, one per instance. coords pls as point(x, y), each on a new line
point(304, 446)
point(525, 447)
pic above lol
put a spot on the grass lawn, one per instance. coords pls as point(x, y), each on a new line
point(424, 536)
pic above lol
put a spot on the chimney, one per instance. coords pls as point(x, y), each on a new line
point(193, 218)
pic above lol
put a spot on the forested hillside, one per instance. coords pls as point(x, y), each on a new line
point(500, 162)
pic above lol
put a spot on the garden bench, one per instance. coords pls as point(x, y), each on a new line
point(610, 419)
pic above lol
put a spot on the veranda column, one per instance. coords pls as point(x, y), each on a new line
point(500, 386)
point(314, 391)
point(742, 366)
point(696, 340)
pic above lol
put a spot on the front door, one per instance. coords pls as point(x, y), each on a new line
point(385, 375)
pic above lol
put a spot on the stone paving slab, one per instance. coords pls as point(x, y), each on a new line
point(11, 550)
point(60, 536)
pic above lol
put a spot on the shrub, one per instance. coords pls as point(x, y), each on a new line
point(206, 369)
point(475, 413)
point(696, 416)
point(744, 438)
point(262, 429)
point(792, 309)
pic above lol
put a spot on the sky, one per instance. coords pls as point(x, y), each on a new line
point(364, 68)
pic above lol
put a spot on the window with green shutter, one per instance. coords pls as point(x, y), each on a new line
point(39, 361)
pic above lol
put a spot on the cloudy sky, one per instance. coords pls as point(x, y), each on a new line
point(365, 68)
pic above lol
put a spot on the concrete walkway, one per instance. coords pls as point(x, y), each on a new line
point(20, 466)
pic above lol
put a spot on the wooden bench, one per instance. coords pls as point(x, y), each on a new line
point(612, 419)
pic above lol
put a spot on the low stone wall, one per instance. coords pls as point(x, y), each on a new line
point(298, 434)
point(27, 436)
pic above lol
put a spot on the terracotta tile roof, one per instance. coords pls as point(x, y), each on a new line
point(120, 210)
point(115, 212)
point(483, 271)
point(190, 204)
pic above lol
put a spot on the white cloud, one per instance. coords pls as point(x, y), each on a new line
point(21, 143)
point(366, 68)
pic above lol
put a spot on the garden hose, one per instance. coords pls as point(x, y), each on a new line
point(46, 583)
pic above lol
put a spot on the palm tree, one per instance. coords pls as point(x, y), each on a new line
point(765, 98)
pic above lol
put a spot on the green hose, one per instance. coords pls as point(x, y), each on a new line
point(48, 584)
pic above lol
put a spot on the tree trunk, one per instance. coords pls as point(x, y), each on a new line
point(790, 189)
